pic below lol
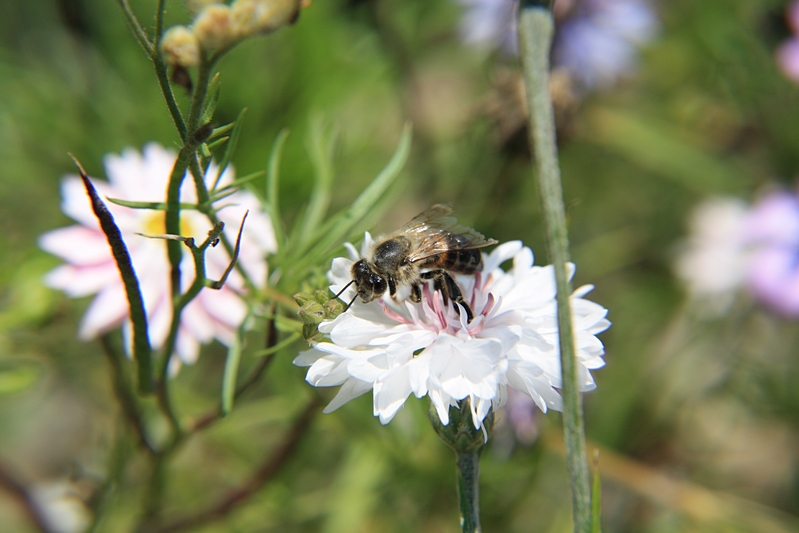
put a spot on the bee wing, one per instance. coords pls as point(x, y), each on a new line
point(436, 231)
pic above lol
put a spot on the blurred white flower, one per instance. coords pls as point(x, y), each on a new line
point(714, 260)
point(61, 507)
point(395, 349)
point(90, 267)
point(596, 41)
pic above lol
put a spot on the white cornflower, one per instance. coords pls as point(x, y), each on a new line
point(395, 349)
point(90, 267)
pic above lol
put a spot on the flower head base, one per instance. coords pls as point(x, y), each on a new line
point(90, 267)
point(395, 349)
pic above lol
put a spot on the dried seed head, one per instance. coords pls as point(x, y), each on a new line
point(253, 17)
point(181, 47)
point(212, 27)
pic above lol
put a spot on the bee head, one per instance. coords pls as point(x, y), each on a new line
point(370, 285)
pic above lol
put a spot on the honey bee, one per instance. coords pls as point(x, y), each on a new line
point(429, 247)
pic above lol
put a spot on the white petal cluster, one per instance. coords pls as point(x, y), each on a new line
point(399, 349)
point(90, 268)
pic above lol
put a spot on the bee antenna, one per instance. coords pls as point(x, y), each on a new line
point(351, 302)
point(344, 289)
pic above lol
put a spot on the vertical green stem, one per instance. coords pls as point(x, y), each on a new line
point(536, 28)
point(469, 491)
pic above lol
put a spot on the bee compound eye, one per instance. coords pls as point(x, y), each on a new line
point(379, 284)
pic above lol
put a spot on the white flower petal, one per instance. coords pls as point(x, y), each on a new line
point(351, 389)
point(430, 349)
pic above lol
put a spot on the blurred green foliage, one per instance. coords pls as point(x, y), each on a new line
point(709, 404)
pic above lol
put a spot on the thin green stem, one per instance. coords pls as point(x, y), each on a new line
point(154, 494)
point(469, 491)
point(200, 90)
point(123, 389)
point(203, 196)
point(536, 28)
point(162, 76)
point(206, 207)
point(159, 21)
point(135, 28)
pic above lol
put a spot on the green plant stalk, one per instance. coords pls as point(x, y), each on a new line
point(135, 28)
point(536, 28)
point(468, 478)
point(142, 351)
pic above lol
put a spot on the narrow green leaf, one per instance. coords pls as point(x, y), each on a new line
point(231, 370)
point(211, 100)
point(321, 144)
point(215, 144)
point(142, 352)
point(657, 148)
point(273, 186)
point(221, 130)
point(339, 226)
point(231, 146)
point(236, 184)
point(279, 346)
point(155, 206)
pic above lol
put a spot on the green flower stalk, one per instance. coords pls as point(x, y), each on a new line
point(467, 442)
point(536, 28)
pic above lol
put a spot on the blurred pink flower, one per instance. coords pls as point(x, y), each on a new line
point(429, 348)
point(90, 268)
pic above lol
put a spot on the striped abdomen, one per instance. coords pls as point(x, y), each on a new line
point(458, 261)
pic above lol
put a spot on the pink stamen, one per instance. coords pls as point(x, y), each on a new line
point(393, 315)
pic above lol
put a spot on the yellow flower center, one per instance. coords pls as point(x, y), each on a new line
point(155, 224)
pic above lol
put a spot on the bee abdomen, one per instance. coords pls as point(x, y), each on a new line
point(459, 261)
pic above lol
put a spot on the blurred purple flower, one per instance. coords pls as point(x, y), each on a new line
point(787, 54)
point(772, 231)
point(521, 414)
point(596, 40)
point(733, 245)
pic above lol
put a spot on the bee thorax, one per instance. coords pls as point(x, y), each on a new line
point(388, 255)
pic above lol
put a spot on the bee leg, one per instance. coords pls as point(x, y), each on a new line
point(443, 282)
point(416, 293)
point(392, 288)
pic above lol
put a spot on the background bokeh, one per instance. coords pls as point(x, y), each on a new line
point(695, 416)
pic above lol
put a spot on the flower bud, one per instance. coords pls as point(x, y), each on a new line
point(252, 17)
point(460, 434)
point(180, 47)
point(212, 27)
